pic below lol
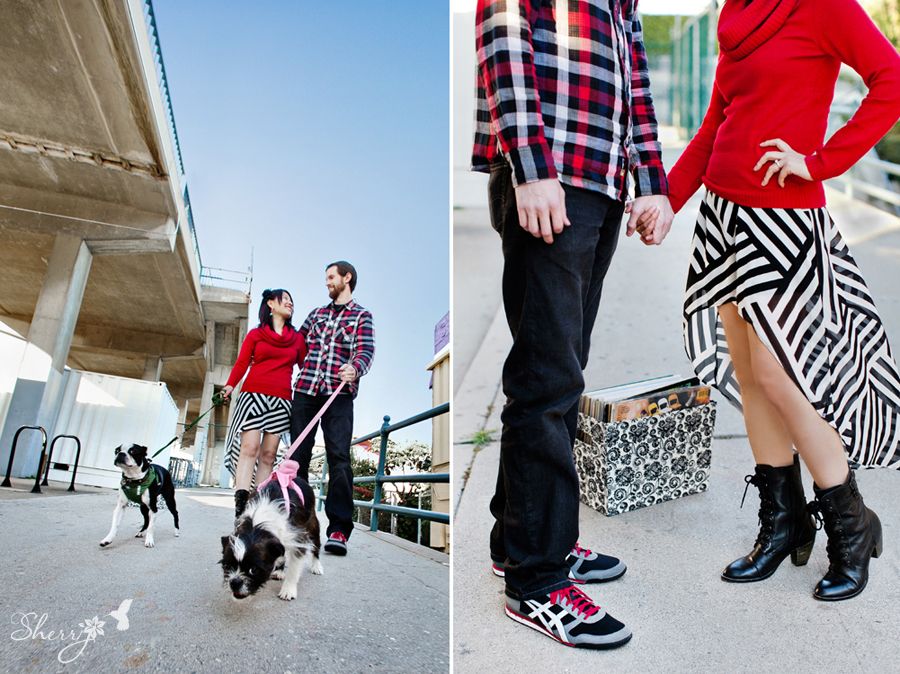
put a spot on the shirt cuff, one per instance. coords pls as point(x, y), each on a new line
point(531, 163)
point(815, 166)
point(650, 180)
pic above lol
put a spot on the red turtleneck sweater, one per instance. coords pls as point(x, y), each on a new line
point(778, 64)
point(271, 358)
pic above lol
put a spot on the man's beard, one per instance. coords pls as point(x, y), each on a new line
point(336, 291)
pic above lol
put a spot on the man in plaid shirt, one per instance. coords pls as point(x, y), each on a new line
point(341, 342)
point(563, 115)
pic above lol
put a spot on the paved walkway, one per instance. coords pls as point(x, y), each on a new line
point(683, 617)
point(383, 608)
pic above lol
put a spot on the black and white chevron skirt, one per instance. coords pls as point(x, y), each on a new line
point(793, 279)
point(256, 412)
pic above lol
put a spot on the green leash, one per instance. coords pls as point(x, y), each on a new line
point(218, 400)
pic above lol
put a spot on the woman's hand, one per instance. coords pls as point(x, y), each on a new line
point(226, 392)
point(785, 162)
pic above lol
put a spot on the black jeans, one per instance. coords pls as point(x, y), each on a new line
point(550, 294)
point(337, 426)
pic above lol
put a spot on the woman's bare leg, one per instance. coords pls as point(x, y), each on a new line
point(819, 444)
point(766, 430)
point(247, 459)
point(267, 456)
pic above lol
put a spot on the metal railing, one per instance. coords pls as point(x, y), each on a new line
point(183, 472)
point(380, 477)
point(694, 54)
point(161, 74)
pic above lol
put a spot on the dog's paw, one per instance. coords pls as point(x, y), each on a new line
point(277, 574)
point(177, 533)
point(139, 534)
point(148, 542)
point(288, 593)
point(316, 567)
point(105, 542)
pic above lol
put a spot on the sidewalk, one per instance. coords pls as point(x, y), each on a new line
point(382, 608)
point(683, 617)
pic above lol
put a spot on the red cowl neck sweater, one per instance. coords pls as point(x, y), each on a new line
point(778, 64)
point(271, 358)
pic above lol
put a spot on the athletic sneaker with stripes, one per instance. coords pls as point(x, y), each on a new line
point(585, 566)
point(570, 617)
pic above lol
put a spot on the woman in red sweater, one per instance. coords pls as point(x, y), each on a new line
point(774, 299)
point(263, 411)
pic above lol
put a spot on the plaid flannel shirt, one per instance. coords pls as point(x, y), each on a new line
point(565, 94)
point(335, 337)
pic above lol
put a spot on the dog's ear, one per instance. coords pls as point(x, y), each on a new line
point(139, 453)
point(226, 541)
point(274, 549)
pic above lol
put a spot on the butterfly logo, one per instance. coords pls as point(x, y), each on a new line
point(121, 615)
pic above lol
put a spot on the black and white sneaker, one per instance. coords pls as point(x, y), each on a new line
point(336, 544)
point(570, 617)
point(585, 566)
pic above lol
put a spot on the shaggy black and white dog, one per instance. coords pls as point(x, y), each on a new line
point(265, 534)
point(142, 483)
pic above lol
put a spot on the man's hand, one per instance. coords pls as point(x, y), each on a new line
point(542, 208)
point(347, 373)
point(651, 217)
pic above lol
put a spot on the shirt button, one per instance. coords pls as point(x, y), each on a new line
point(622, 172)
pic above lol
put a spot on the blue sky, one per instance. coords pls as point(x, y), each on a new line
point(316, 131)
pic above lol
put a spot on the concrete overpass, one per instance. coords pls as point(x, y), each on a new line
point(99, 264)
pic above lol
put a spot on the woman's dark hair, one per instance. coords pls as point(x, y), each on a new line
point(265, 313)
point(344, 268)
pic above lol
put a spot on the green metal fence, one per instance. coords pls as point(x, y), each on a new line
point(380, 477)
point(694, 54)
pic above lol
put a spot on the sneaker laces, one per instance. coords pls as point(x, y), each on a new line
point(575, 600)
point(579, 551)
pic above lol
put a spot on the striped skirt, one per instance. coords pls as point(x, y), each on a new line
point(793, 279)
point(256, 412)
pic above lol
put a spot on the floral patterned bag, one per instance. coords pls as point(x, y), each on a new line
point(627, 465)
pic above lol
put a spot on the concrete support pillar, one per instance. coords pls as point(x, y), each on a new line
point(153, 368)
point(201, 439)
point(39, 384)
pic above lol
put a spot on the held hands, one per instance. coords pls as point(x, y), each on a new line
point(651, 217)
point(785, 162)
point(347, 373)
point(542, 208)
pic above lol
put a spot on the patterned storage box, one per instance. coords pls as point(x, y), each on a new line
point(631, 464)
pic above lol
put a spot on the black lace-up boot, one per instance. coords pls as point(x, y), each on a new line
point(854, 537)
point(785, 525)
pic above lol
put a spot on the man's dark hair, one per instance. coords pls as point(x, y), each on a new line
point(344, 268)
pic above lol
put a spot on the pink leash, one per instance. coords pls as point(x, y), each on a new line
point(287, 469)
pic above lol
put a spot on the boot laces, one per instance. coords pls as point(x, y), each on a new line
point(766, 508)
point(827, 517)
point(575, 600)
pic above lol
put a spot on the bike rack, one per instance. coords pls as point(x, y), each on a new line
point(50, 460)
point(12, 454)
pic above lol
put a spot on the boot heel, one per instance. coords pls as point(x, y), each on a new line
point(800, 556)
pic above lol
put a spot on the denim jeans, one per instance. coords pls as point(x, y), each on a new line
point(337, 427)
point(551, 294)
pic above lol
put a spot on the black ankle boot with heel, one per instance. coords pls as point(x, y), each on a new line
point(854, 537)
point(785, 525)
point(240, 501)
